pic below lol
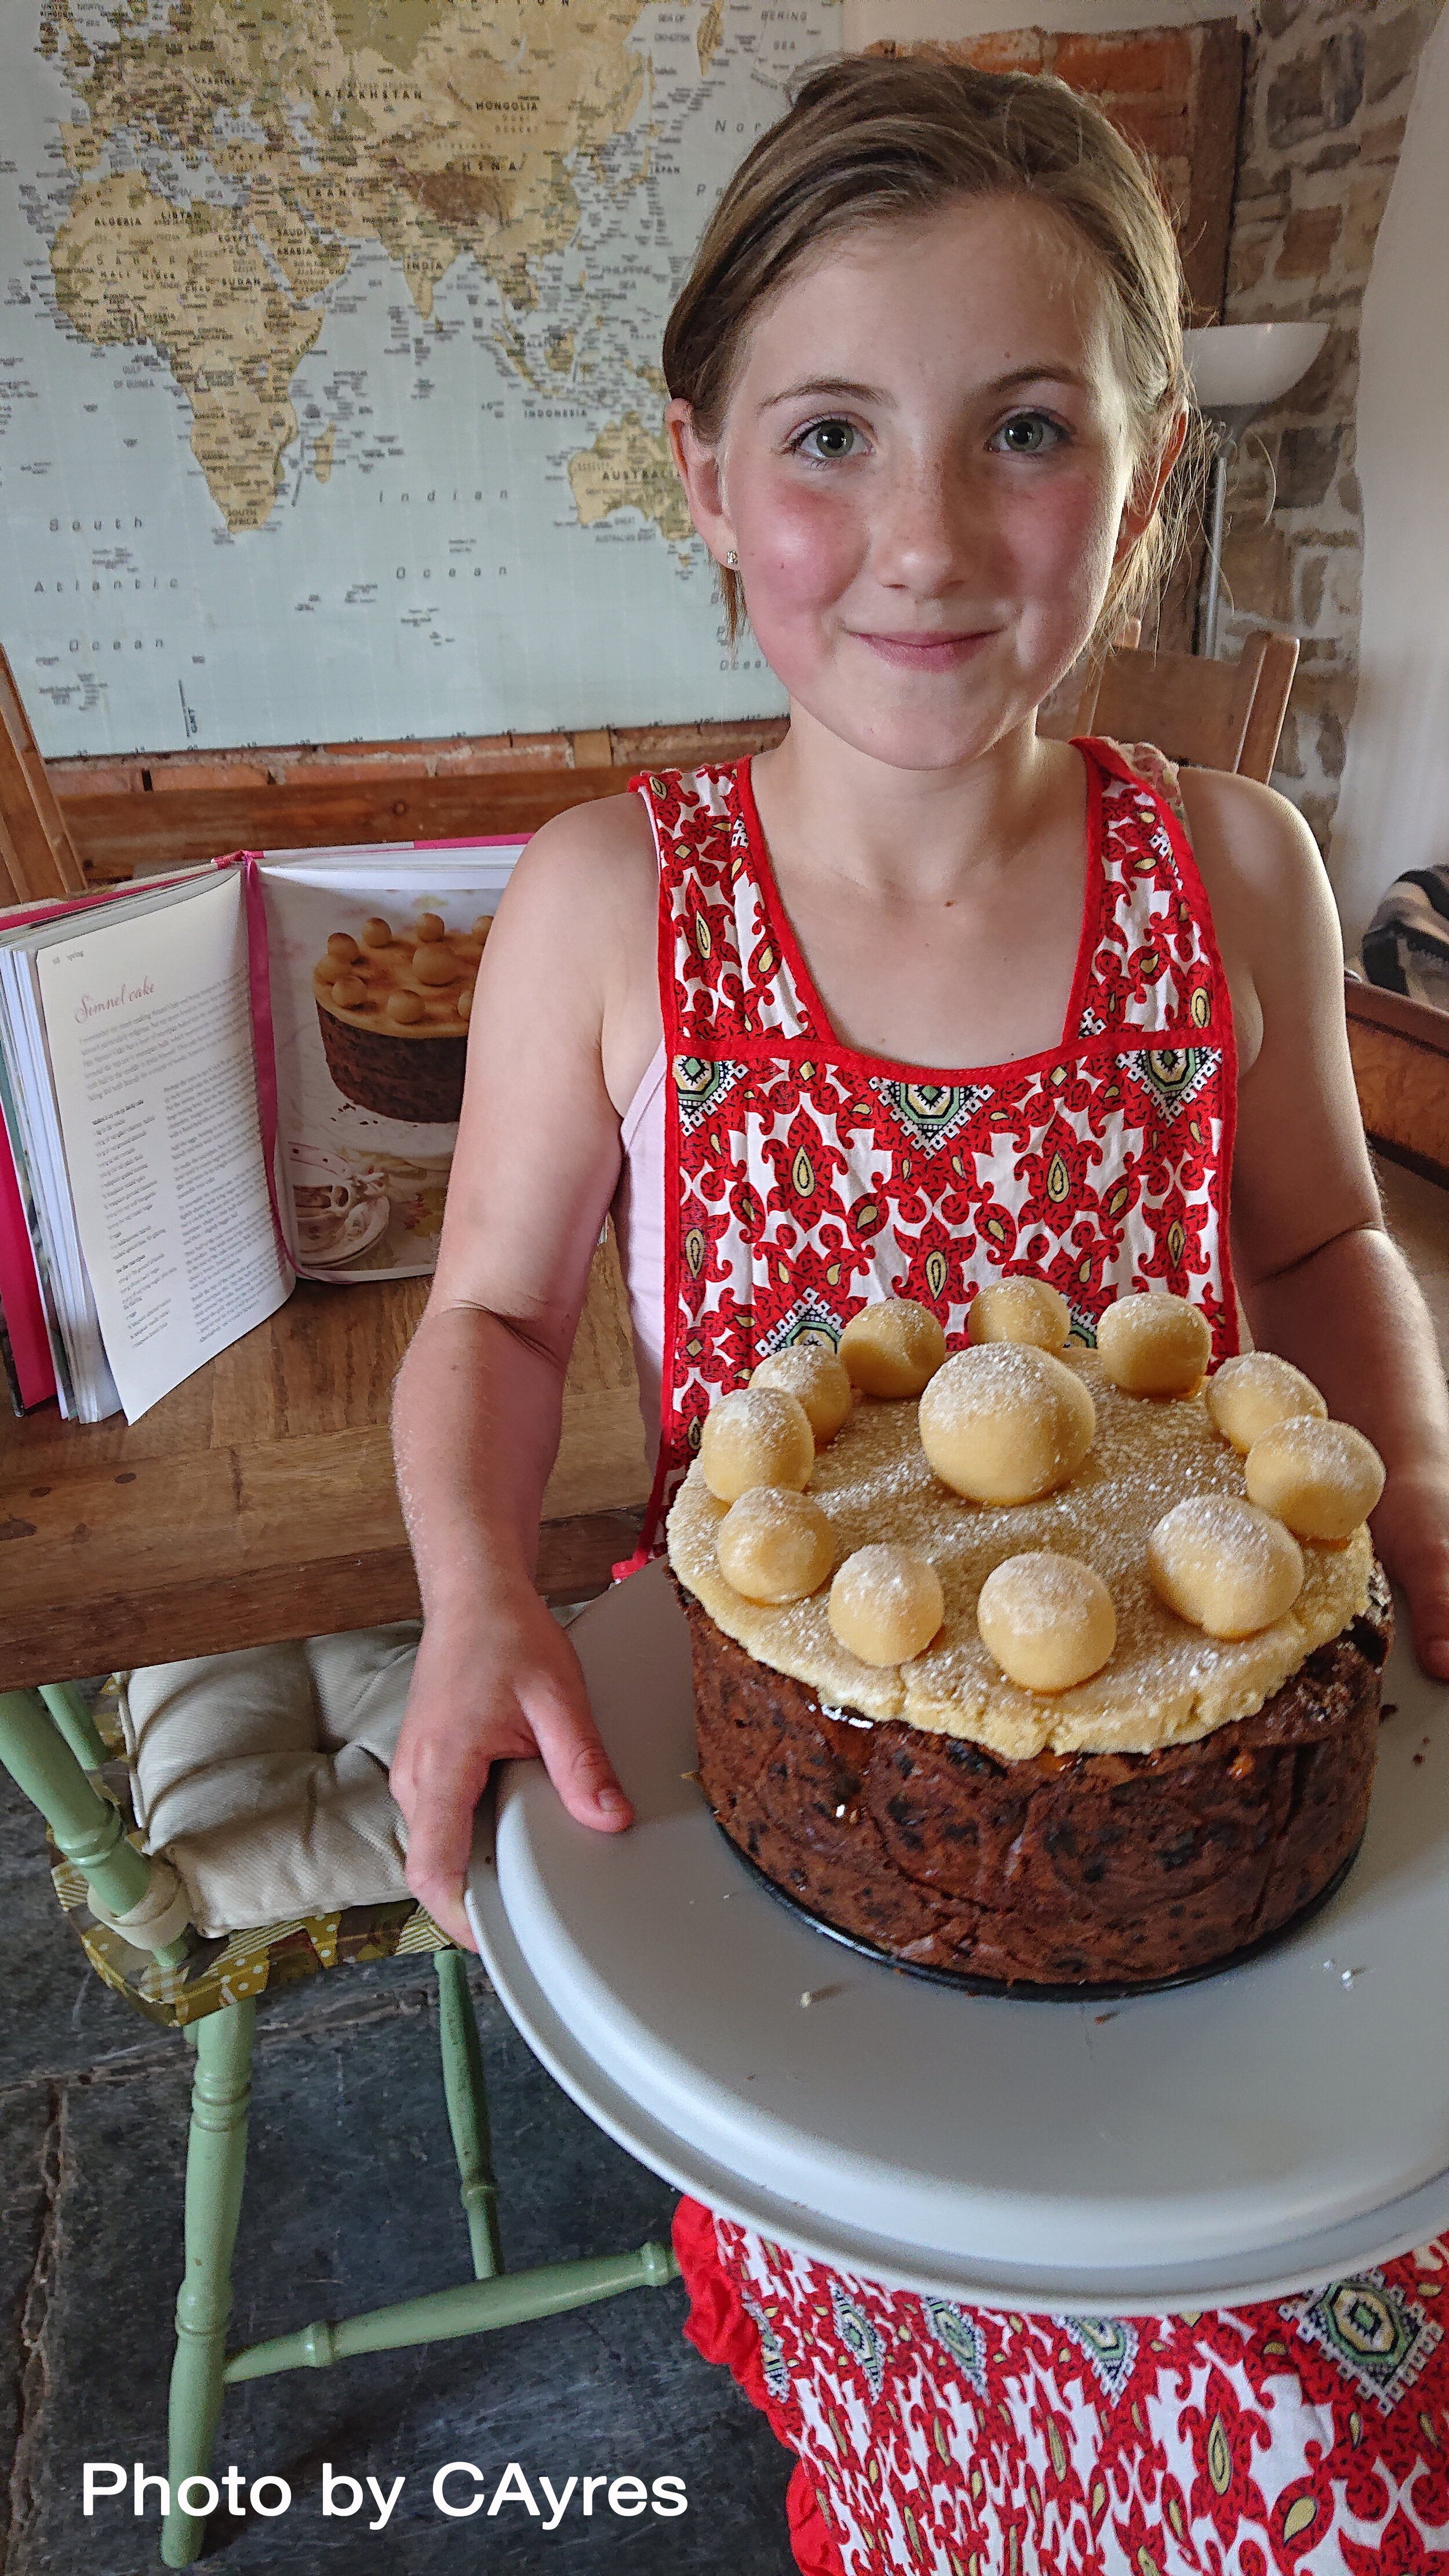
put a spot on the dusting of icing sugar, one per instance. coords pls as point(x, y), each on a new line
point(1165, 1682)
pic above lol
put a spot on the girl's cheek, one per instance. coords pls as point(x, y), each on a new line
point(801, 551)
point(1064, 537)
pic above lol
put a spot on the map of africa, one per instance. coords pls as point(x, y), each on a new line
point(330, 402)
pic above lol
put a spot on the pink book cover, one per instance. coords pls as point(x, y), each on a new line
point(20, 1291)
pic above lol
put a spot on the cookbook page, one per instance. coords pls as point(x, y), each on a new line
point(148, 1027)
point(373, 955)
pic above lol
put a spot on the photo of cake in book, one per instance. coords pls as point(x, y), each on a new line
point(393, 1006)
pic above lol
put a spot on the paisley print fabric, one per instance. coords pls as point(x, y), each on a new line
point(805, 1179)
point(1303, 2437)
point(1307, 2437)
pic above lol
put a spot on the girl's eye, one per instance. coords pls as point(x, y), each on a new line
point(826, 442)
point(1029, 433)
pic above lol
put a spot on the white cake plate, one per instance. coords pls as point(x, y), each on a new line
point(1275, 2127)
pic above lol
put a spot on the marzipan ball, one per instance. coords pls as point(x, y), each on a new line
point(349, 992)
point(429, 925)
point(1246, 1396)
point(886, 1604)
point(774, 1545)
point(405, 1008)
point(1047, 1619)
point(1155, 1345)
point(342, 948)
point(815, 1377)
point(465, 1002)
point(376, 931)
point(1004, 1424)
point(436, 965)
point(1020, 1310)
point(1321, 1478)
point(757, 1435)
point(892, 1349)
point(1223, 1566)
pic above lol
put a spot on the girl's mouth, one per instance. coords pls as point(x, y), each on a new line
point(925, 652)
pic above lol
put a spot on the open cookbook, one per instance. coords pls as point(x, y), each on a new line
point(215, 1082)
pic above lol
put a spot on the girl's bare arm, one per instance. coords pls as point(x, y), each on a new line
point(476, 1416)
point(1319, 1276)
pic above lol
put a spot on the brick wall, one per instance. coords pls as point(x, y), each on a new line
point(1174, 92)
point(1325, 103)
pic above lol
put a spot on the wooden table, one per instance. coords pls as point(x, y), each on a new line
point(257, 1501)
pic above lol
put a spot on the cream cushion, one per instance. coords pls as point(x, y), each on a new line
point(262, 1776)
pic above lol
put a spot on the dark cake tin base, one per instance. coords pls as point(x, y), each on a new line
point(1018, 1990)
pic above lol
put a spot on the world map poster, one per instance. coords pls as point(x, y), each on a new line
point(330, 398)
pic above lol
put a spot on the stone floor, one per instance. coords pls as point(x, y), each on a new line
point(351, 2202)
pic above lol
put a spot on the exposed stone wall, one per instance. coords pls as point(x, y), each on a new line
point(1325, 105)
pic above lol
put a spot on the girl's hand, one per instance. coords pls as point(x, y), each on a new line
point(505, 1684)
point(1411, 1533)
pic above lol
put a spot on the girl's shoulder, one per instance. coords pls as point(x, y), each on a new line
point(581, 866)
point(1250, 843)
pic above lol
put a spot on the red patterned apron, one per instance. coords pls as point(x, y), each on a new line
point(803, 1180)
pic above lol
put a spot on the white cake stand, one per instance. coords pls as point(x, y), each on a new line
point(1270, 2129)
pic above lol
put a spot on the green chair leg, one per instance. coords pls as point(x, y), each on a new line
point(468, 2112)
point(87, 1827)
point(76, 1724)
point(215, 2164)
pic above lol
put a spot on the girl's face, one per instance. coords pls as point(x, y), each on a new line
point(926, 469)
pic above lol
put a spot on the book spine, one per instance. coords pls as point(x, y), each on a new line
point(35, 1239)
point(20, 1297)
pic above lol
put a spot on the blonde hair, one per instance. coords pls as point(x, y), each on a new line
point(880, 138)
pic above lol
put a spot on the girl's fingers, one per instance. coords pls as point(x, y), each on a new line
point(1411, 1533)
point(1423, 1570)
point(576, 1763)
point(437, 1780)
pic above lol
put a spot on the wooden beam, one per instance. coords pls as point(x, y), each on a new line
point(37, 857)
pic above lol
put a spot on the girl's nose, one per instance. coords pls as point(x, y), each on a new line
point(927, 534)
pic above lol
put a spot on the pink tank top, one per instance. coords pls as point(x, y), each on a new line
point(798, 1179)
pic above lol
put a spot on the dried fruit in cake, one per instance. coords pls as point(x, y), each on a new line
point(1228, 1568)
point(1153, 1344)
point(816, 1379)
point(775, 1545)
point(886, 1604)
point(1246, 1396)
point(1320, 1478)
point(757, 1435)
point(893, 1348)
point(1020, 1310)
point(1047, 1619)
point(1004, 1423)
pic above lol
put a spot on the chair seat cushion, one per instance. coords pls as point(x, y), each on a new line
point(262, 1775)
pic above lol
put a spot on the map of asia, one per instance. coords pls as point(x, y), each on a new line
point(330, 401)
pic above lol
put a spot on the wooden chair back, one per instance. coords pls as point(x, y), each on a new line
point(37, 856)
point(1213, 715)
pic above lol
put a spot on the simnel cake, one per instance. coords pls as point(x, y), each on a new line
point(1034, 1664)
point(393, 1007)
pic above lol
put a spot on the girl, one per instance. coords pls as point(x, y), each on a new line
point(927, 395)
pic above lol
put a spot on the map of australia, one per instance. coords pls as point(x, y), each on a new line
point(347, 314)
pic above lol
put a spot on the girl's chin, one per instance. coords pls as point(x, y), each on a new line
point(922, 718)
point(919, 737)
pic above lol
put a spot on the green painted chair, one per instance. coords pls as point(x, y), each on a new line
point(133, 1897)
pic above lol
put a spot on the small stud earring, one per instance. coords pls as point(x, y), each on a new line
point(732, 561)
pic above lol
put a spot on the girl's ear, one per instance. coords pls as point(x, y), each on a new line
point(1148, 485)
point(697, 464)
